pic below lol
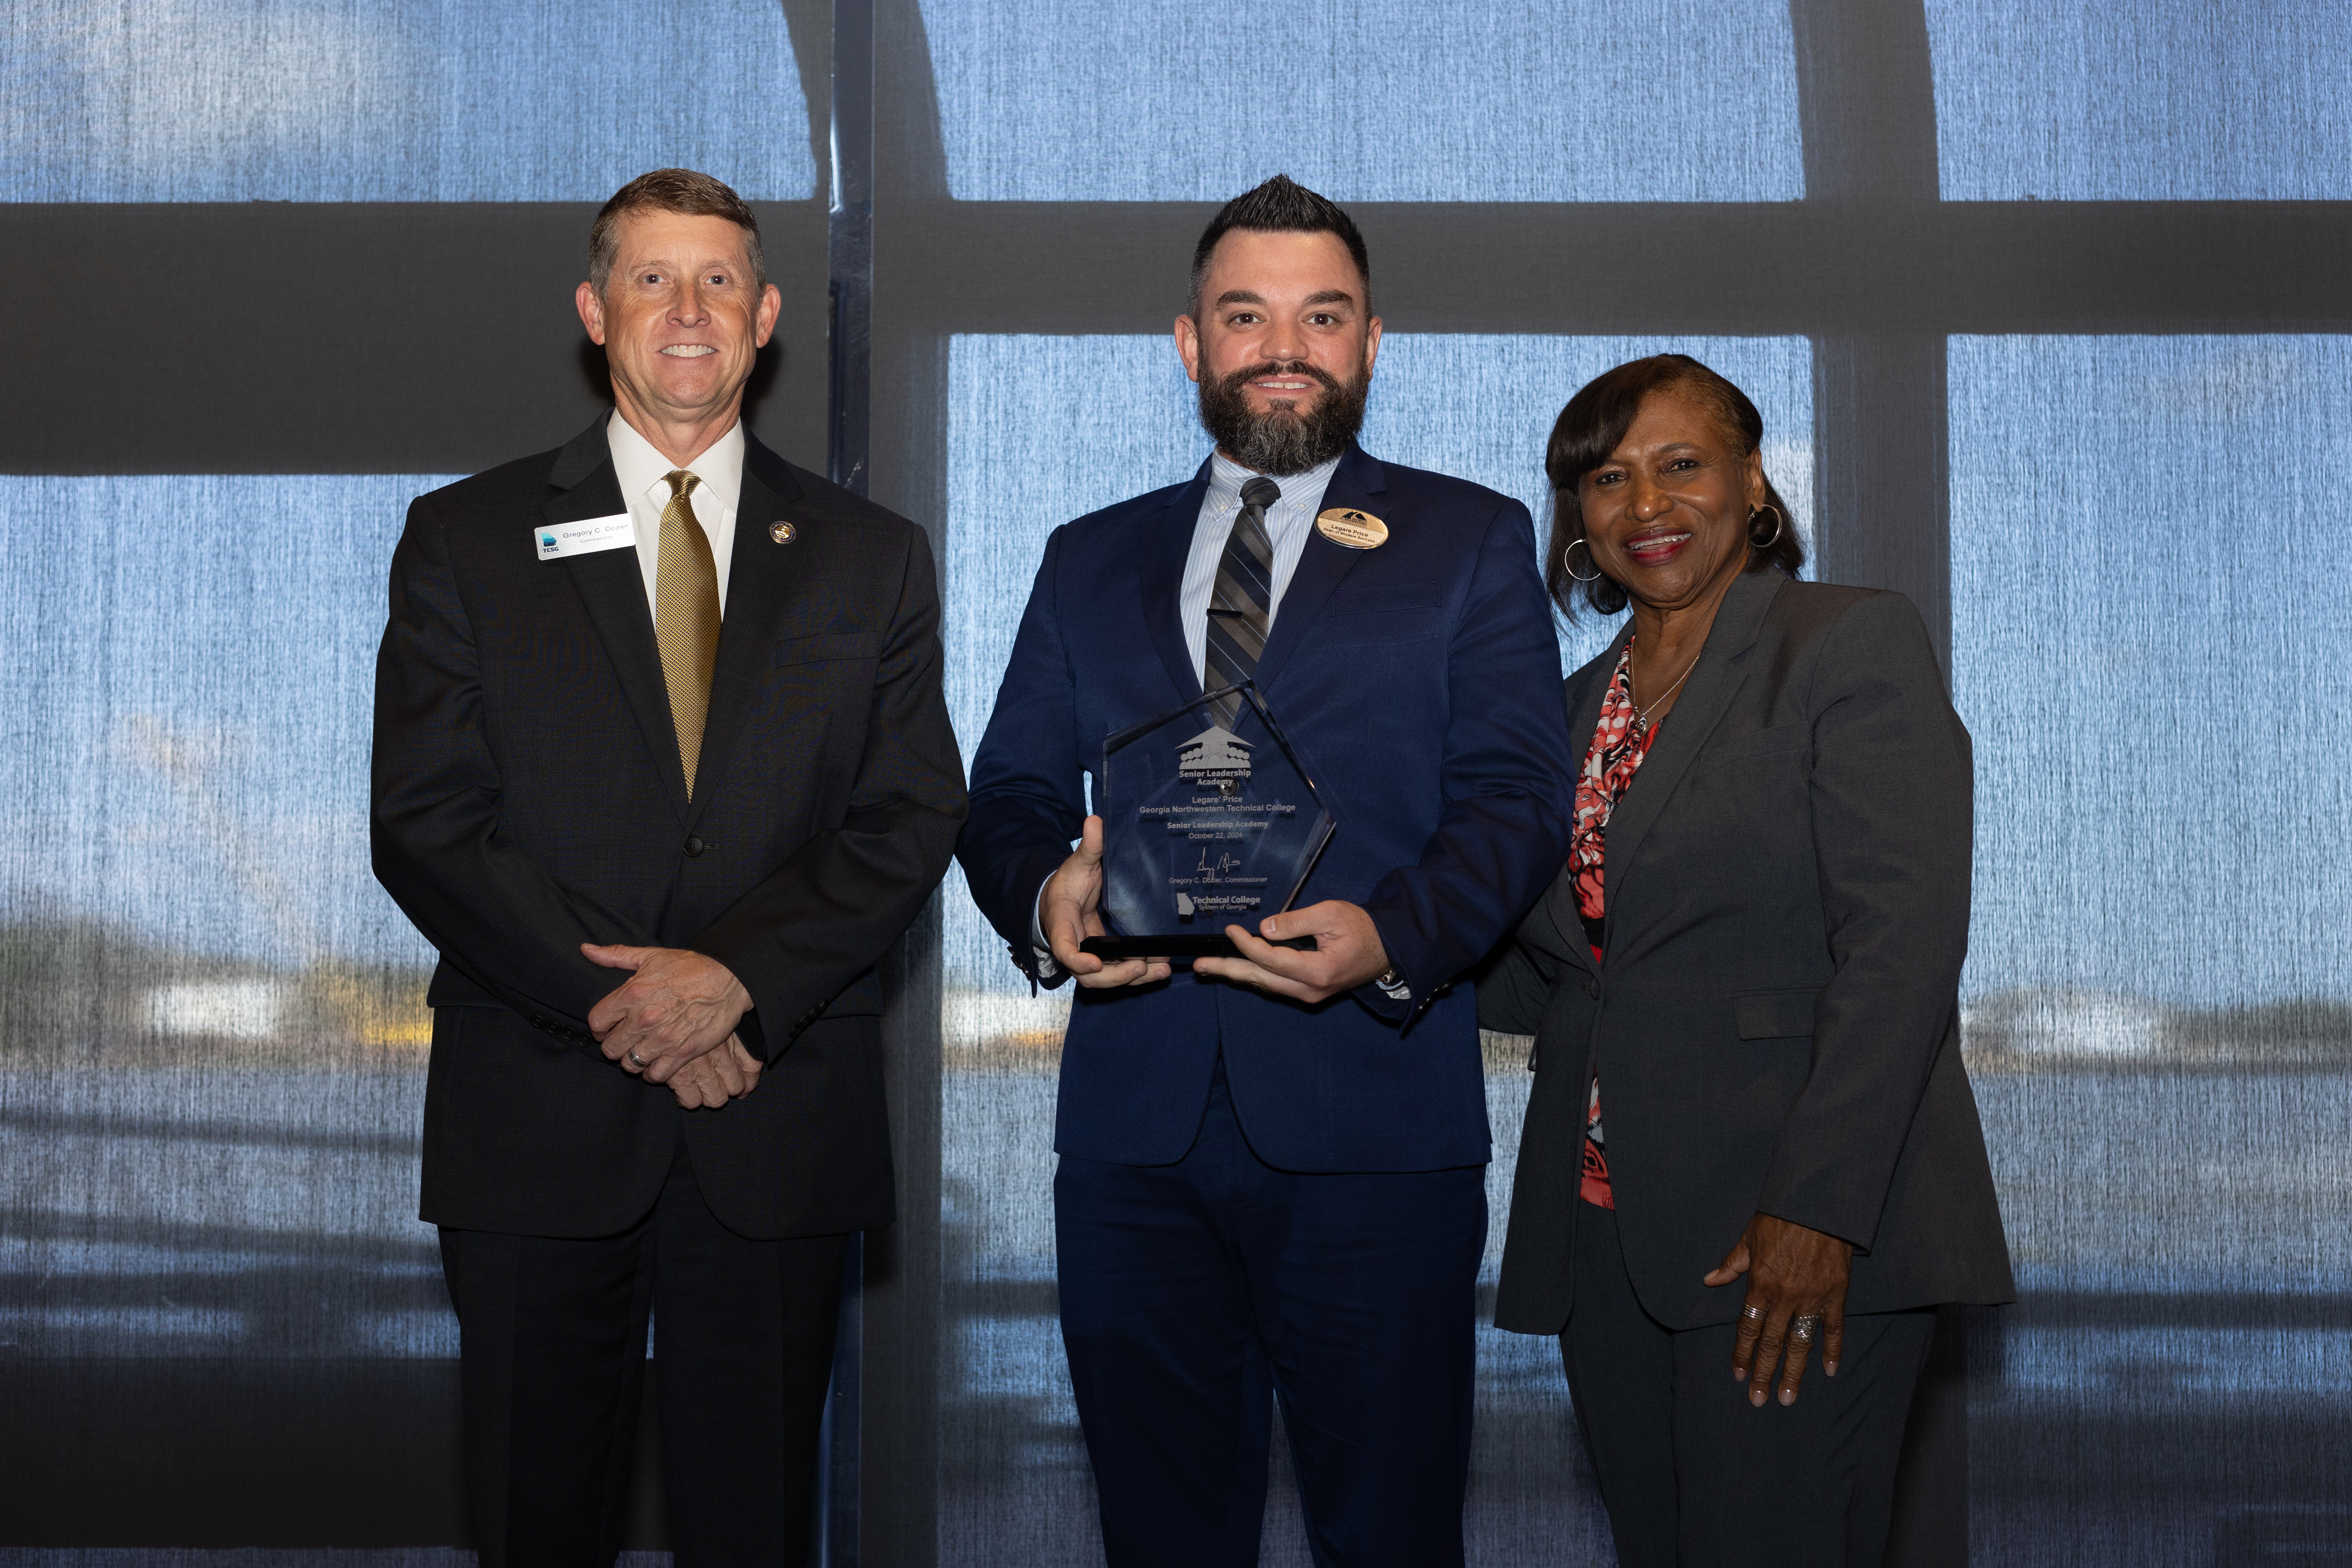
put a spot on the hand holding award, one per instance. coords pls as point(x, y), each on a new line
point(1208, 832)
point(1069, 911)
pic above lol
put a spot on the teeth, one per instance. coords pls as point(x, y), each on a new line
point(689, 351)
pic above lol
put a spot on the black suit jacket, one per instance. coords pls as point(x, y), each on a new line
point(1777, 1026)
point(527, 796)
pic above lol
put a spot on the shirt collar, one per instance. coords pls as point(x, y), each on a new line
point(640, 469)
point(1226, 478)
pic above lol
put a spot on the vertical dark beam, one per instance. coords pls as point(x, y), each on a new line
point(849, 265)
point(908, 441)
point(809, 24)
point(841, 1444)
point(1882, 483)
point(849, 234)
point(1867, 99)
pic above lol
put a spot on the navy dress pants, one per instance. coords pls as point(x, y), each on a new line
point(551, 1337)
point(1194, 1295)
point(1695, 1477)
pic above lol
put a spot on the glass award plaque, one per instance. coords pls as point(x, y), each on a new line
point(1204, 827)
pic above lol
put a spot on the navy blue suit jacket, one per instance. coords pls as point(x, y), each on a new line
point(1417, 681)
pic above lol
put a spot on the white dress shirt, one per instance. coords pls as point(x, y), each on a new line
point(1288, 522)
point(642, 469)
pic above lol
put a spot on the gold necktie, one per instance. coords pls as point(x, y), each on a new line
point(685, 618)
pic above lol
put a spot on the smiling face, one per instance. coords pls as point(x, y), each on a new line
point(681, 322)
point(1282, 345)
point(1666, 515)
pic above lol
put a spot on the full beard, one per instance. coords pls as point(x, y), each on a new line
point(1282, 441)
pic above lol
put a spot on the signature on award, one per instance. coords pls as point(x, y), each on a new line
point(1216, 873)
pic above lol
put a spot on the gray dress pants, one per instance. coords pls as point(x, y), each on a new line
point(1694, 1477)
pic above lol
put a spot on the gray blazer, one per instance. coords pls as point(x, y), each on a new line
point(1777, 1028)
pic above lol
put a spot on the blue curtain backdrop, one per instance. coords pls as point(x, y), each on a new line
point(211, 1021)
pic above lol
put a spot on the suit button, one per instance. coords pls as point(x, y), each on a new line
point(1592, 989)
point(696, 847)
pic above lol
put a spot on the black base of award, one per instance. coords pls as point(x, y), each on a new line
point(1207, 945)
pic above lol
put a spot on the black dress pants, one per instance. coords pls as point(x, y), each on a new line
point(552, 1348)
point(1693, 1475)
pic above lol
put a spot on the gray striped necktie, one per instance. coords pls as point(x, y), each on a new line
point(1241, 606)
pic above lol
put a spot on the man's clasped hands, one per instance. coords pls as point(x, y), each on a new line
point(673, 1022)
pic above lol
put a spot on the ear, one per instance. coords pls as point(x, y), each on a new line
point(592, 312)
point(1371, 343)
point(1187, 345)
point(771, 304)
point(1758, 492)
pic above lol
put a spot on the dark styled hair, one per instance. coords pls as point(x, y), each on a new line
point(679, 191)
point(1589, 429)
point(1281, 206)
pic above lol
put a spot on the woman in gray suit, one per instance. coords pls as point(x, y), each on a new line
point(1750, 1148)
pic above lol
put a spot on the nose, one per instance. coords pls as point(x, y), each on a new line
point(1650, 500)
point(1284, 341)
point(687, 308)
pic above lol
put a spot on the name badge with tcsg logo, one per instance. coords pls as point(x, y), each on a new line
point(556, 541)
point(1356, 529)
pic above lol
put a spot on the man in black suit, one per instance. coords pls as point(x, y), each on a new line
point(662, 768)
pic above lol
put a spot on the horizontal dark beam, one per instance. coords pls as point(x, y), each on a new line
point(277, 337)
point(385, 338)
point(1765, 268)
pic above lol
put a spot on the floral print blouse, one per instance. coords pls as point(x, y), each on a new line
point(1619, 744)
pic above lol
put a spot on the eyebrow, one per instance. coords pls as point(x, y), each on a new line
point(1614, 461)
point(1326, 296)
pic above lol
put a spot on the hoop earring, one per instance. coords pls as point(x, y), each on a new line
point(1778, 519)
point(1597, 572)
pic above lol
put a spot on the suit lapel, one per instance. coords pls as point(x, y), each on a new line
point(1584, 718)
point(613, 588)
point(761, 575)
point(1160, 569)
point(1322, 567)
point(1717, 677)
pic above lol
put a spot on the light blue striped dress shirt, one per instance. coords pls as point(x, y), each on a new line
point(1287, 523)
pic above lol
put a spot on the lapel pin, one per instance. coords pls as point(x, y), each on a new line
point(1356, 529)
point(781, 533)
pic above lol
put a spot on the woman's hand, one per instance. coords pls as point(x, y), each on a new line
point(1795, 1276)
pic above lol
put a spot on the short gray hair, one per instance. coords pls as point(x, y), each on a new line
point(681, 191)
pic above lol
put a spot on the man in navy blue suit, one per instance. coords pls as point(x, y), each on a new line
point(1271, 1181)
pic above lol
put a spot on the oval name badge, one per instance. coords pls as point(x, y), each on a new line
point(1356, 529)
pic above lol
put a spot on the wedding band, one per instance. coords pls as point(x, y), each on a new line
point(1803, 1328)
point(639, 1060)
point(1751, 1312)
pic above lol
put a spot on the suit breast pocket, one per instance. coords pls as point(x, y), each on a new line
point(1745, 802)
point(1757, 752)
point(1394, 616)
point(827, 647)
point(814, 699)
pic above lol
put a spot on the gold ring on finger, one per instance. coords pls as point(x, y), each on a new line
point(1752, 1312)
